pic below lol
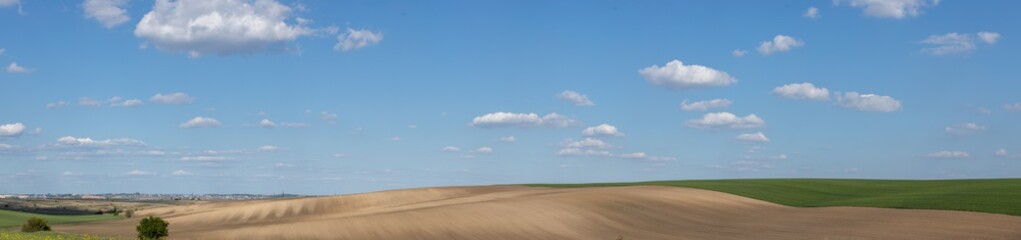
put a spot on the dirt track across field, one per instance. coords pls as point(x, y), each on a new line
point(517, 212)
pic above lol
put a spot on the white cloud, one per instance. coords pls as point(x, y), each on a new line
point(2, 50)
point(182, 173)
point(484, 150)
point(395, 139)
point(200, 122)
point(964, 129)
point(70, 173)
point(988, 37)
point(896, 9)
point(118, 102)
point(451, 149)
point(779, 157)
point(780, 43)
point(266, 123)
point(1001, 152)
point(328, 117)
point(172, 98)
point(89, 102)
point(868, 102)
point(675, 75)
point(357, 39)
point(205, 158)
point(583, 152)
point(738, 53)
point(1013, 107)
point(634, 155)
point(949, 43)
point(12, 129)
point(521, 120)
point(948, 154)
point(721, 120)
point(812, 13)
point(110, 13)
point(587, 143)
point(269, 148)
point(802, 91)
point(574, 97)
point(704, 105)
point(339, 155)
point(225, 27)
point(138, 173)
point(15, 68)
point(753, 137)
point(89, 142)
point(602, 130)
point(508, 139)
point(8, 3)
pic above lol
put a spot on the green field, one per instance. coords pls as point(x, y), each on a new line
point(47, 236)
point(1001, 196)
point(13, 218)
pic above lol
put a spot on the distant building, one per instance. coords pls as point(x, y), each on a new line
point(93, 197)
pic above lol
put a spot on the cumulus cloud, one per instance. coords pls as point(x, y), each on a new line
point(802, 91)
point(201, 122)
point(508, 139)
point(955, 43)
point(602, 130)
point(172, 98)
point(753, 137)
point(964, 129)
point(677, 76)
point(181, 173)
point(205, 158)
point(89, 102)
point(578, 152)
point(328, 116)
point(266, 123)
point(642, 155)
point(988, 37)
point(868, 102)
point(574, 97)
point(15, 68)
point(110, 13)
point(225, 27)
point(587, 143)
point(71, 141)
point(812, 13)
point(1001, 152)
point(896, 9)
point(269, 148)
point(1013, 107)
point(634, 155)
point(720, 120)
point(138, 173)
point(780, 43)
point(738, 53)
point(120, 102)
point(704, 105)
point(484, 150)
point(948, 154)
point(357, 39)
point(521, 120)
point(451, 149)
point(12, 129)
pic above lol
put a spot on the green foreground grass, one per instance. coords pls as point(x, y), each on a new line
point(1002, 196)
point(47, 236)
point(14, 218)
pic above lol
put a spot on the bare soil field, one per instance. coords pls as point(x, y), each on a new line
point(518, 212)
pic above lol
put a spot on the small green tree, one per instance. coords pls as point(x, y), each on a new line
point(35, 224)
point(152, 228)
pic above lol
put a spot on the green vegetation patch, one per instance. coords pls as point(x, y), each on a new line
point(47, 236)
point(14, 218)
point(1001, 196)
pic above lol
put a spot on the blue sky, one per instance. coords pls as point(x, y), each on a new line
point(322, 97)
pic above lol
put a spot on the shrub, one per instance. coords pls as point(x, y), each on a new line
point(35, 224)
point(152, 228)
point(128, 213)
